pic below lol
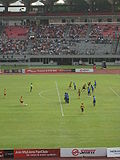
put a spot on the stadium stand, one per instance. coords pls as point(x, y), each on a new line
point(16, 32)
point(84, 29)
point(59, 39)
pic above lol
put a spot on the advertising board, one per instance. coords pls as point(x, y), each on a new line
point(1, 154)
point(24, 153)
point(49, 70)
point(1, 72)
point(82, 152)
point(113, 152)
point(84, 70)
point(12, 71)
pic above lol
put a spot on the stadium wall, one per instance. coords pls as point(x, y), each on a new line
point(65, 60)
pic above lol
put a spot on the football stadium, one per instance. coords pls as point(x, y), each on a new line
point(60, 79)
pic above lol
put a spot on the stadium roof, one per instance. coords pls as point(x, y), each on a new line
point(52, 2)
point(4, 2)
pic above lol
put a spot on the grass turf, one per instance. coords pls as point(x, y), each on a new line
point(40, 123)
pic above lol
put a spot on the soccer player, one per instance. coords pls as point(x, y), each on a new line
point(82, 107)
point(89, 83)
point(95, 83)
point(88, 91)
point(31, 87)
point(79, 92)
point(84, 87)
point(70, 85)
point(74, 85)
point(21, 100)
point(94, 101)
point(66, 97)
point(5, 92)
point(92, 87)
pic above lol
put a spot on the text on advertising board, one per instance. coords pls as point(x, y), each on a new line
point(76, 152)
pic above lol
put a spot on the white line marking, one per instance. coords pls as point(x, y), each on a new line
point(61, 107)
point(114, 92)
point(72, 115)
point(40, 94)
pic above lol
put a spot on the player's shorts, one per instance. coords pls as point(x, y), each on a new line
point(82, 109)
point(21, 101)
point(4, 94)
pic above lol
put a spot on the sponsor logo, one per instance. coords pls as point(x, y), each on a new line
point(113, 152)
point(83, 152)
point(76, 152)
point(36, 153)
point(48, 70)
point(84, 70)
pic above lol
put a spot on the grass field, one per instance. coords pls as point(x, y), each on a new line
point(40, 124)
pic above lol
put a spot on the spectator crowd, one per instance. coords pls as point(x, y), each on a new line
point(55, 39)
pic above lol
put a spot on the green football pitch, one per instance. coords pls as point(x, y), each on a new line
point(47, 122)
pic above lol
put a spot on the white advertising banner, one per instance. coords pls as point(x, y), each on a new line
point(83, 70)
point(113, 152)
point(83, 152)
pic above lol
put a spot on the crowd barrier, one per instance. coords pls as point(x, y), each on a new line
point(62, 153)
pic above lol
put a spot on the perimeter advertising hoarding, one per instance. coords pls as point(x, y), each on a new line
point(84, 70)
point(8, 154)
point(12, 71)
point(1, 72)
point(113, 152)
point(49, 70)
point(27, 153)
point(1, 154)
point(82, 152)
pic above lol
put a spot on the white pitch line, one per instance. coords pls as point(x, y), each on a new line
point(61, 107)
point(114, 92)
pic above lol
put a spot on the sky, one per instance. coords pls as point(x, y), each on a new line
point(23, 9)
